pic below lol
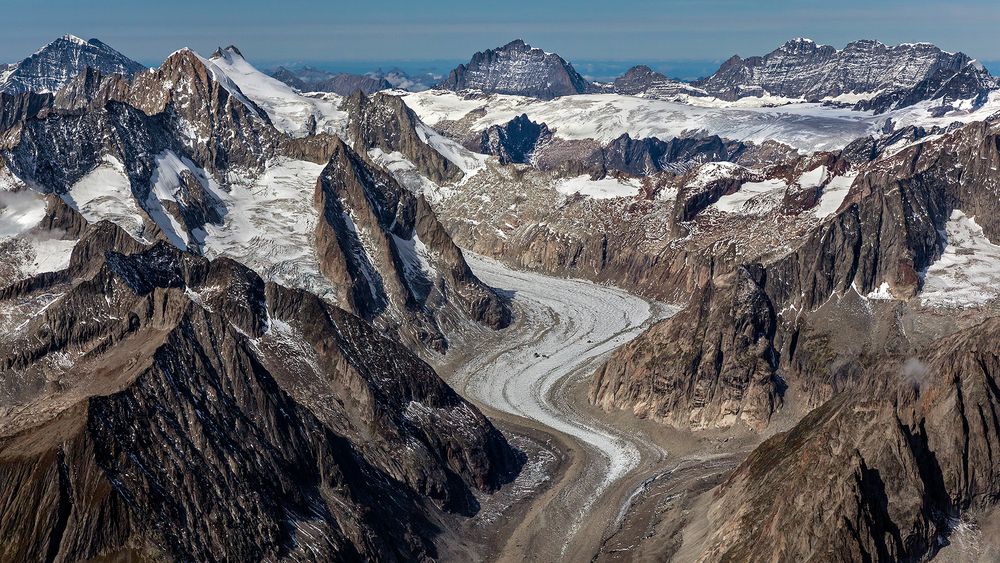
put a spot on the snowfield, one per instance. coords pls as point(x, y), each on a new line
point(808, 127)
point(968, 272)
point(268, 225)
point(106, 193)
point(290, 111)
point(605, 188)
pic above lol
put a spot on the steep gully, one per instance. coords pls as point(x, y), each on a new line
point(526, 373)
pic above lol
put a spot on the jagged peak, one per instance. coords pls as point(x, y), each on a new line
point(227, 53)
point(802, 44)
point(73, 39)
point(516, 44)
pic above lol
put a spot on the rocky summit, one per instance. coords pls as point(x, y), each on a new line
point(803, 69)
point(520, 69)
point(295, 315)
point(52, 66)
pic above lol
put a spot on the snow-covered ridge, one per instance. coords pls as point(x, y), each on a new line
point(290, 111)
point(58, 62)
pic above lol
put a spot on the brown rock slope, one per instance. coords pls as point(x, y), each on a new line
point(693, 369)
point(884, 476)
point(387, 246)
point(156, 404)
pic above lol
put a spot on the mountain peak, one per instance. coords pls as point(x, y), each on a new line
point(227, 53)
point(73, 39)
point(519, 69)
point(516, 44)
point(803, 69)
point(56, 64)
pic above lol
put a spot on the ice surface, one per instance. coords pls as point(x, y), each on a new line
point(106, 193)
point(268, 225)
point(565, 327)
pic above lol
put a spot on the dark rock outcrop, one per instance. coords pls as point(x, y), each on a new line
point(712, 364)
point(970, 83)
point(644, 81)
point(514, 141)
point(517, 68)
point(898, 467)
point(384, 122)
point(386, 245)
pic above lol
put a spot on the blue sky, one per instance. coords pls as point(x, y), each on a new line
point(583, 30)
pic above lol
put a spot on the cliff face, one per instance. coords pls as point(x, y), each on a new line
point(143, 385)
point(384, 122)
point(899, 467)
point(388, 247)
point(514, 141)
point(712, 364)
point(887, 232)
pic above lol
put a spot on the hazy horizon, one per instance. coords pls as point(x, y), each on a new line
point(385, 30)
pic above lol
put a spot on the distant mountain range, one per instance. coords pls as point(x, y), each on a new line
point(312, 79)
point(866, 74)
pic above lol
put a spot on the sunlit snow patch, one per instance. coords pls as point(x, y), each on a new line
point(753, 198)
point(605, 188)
point(968, 272)
point(833, 195)
point(106, 193)
point(467, 161)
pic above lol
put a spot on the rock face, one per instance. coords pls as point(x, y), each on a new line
point(517, 68)
point(640, 157)
point(514, 141)
point(713, 364)
point(633, 157)
point(384, 122)
point(971, 82)
point(887, 231)
point(641, 80)
point(143, 385)
point(54, 65)
point(801, 69)
point(291, 78)
point(899, 467)
point(386, 245)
